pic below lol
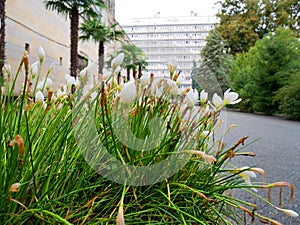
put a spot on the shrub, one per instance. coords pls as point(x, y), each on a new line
point(261, 72)
point(135, 152)
point(289, 98)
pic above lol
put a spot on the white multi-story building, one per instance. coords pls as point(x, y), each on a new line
point(169, 39)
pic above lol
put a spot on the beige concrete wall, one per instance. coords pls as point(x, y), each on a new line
point(29, 22)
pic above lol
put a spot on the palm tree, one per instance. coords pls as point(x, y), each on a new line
point(73, 9)
point(142, 64)
point(2, 38)
point(134, 58)
point(95, 30)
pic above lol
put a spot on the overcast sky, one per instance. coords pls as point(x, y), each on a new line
point(126, 9)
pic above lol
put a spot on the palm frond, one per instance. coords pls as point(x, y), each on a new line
point(61, 7)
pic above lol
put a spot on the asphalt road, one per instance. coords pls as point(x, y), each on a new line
point(277, 149)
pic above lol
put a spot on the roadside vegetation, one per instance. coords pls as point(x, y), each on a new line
point(151, 157)
point(255, 50)
point(129, 148)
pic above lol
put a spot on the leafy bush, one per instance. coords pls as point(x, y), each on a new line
point(243, 81)
point(289, 98)
point(91, 157)
point(259, 73)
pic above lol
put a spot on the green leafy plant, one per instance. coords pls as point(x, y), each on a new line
point(79, 158)
point(289, 98)
point(267, 67)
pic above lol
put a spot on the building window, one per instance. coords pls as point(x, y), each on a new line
point(27, 47)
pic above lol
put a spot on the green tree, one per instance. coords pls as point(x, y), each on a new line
point(276, 59)
point(215, 56)
point(215, 65)
point(194, 74)
point(289, 98)
point(142, 65)
point(275, 13)
point(95, 30)
point(267, 66)
point(239, 20)
point(134, 59)
point(2, 38)
point(242, 22)
point(73, 9)
point(242, 79)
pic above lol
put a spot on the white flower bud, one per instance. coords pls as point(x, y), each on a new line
point(48, 83)
point(41, 53)
point(128, 92)
point(203, 96)
point(117, 61)
point(39, 97)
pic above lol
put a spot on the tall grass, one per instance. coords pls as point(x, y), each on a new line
point(54, 170)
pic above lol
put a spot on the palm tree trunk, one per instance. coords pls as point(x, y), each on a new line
point(140, 71)
point(74, 18)
point(2, 38)
point(128, 73)
point(101, 57)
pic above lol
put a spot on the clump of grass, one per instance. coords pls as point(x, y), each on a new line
point(133, 152)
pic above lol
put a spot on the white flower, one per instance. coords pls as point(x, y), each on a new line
point(157, 92)
point(231, 98)
point(87, 88)
point(67, 76)
point(180, 79)
point(207, 158)
point(288, 212)
point(39, 97)
point(40, 85)
point(106, 73)
point(173, 87)
point(36, 63)
point(60, 93)
point(34, 70)
point(71, 80)
point(94, 95)
point(65, 89)
point(128, 92)
point(45, 105)
point(41, 53)
point(59, 106)
point(205, 133)
point(205, 110)
point(117, 61)
point(217, 101)
point(83, 72)
point(246, 175)
point(118, 69)
point(203, 96)
point(48, 83)
point(191, 97)
point(145, 79)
